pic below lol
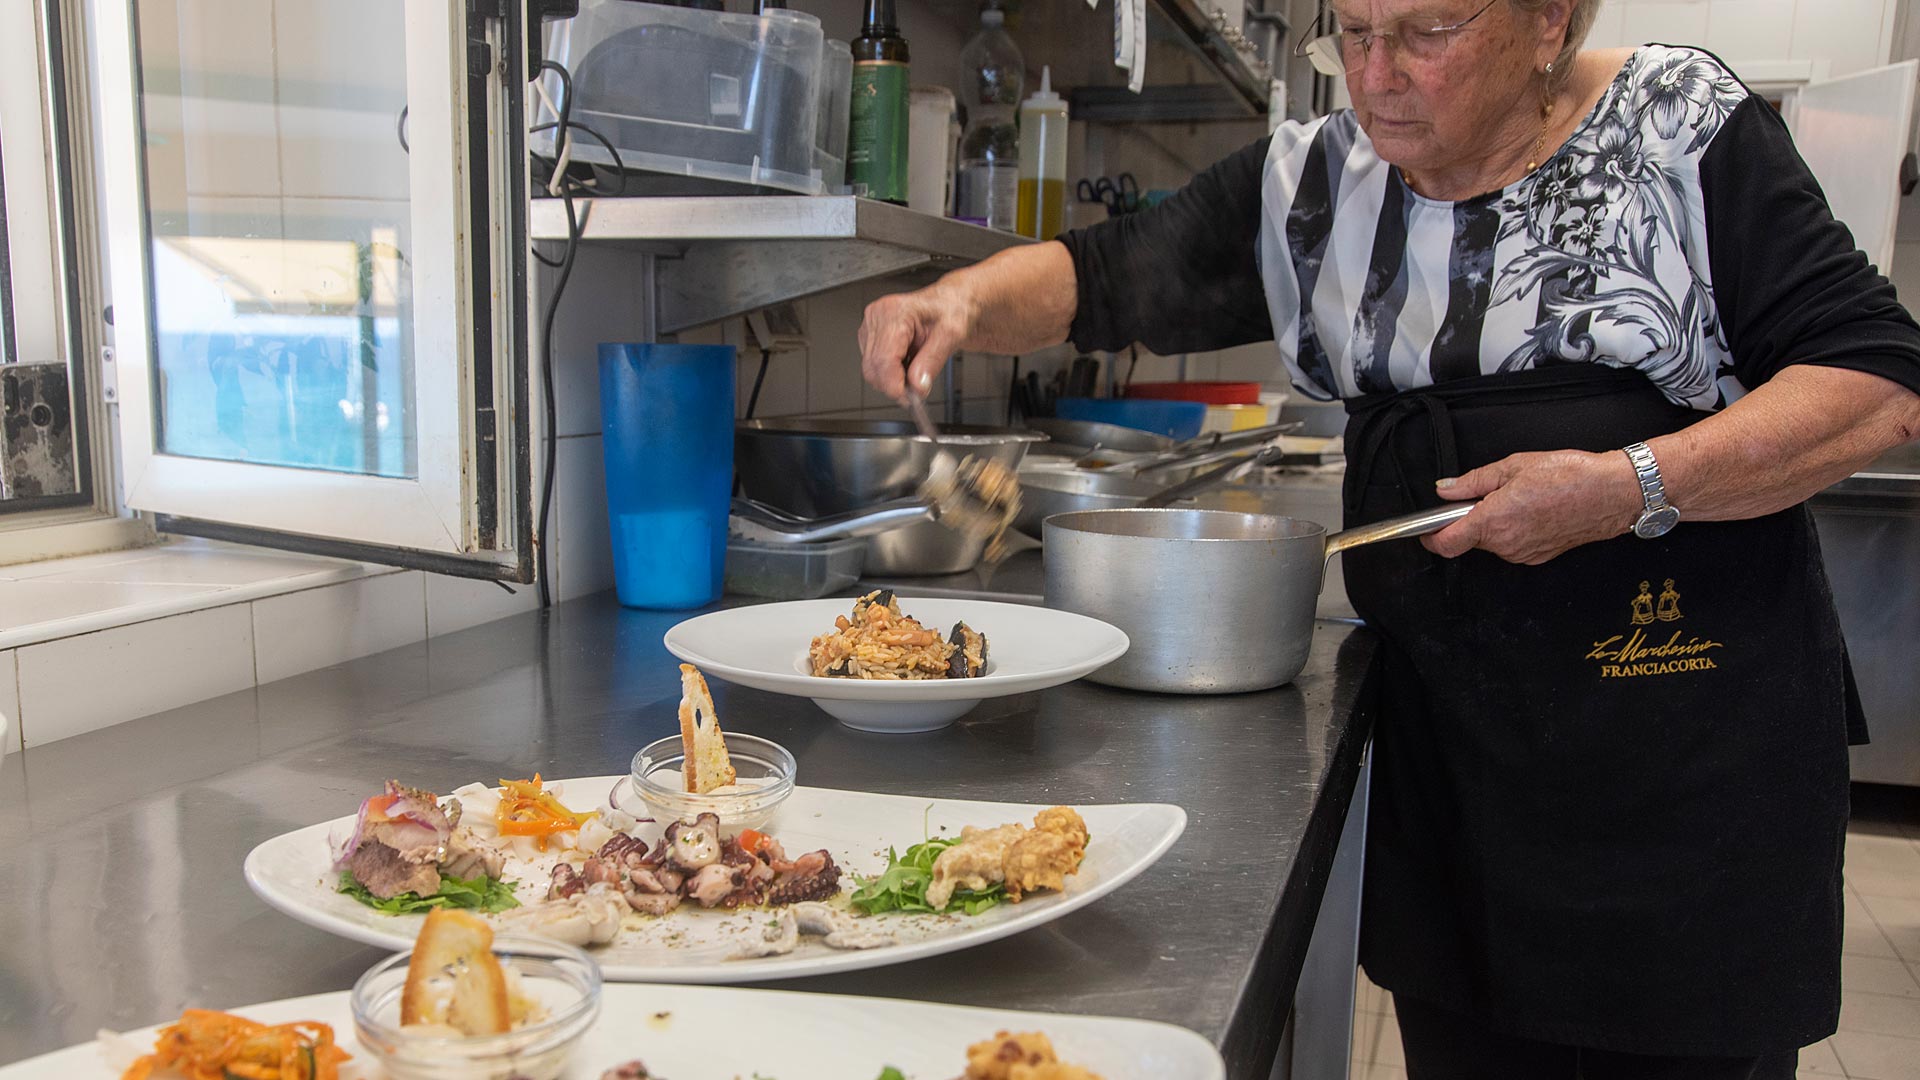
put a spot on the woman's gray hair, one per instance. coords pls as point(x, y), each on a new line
point(1579, 21)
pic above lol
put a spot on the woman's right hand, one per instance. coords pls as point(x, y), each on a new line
point(911, 335)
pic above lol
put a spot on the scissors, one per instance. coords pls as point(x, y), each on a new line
point(1120, 195)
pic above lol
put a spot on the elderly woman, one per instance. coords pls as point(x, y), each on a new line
point(1600, 293)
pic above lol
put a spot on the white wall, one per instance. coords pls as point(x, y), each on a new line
point(1844, 36)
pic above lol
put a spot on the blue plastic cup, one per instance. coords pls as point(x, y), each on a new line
point(667, 424)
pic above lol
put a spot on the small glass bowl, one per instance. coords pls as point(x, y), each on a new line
point(560, 977)
point(656, 779)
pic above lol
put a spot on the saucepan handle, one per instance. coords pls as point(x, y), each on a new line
point(1399, 528)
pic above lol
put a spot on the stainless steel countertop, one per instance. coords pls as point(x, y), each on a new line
point(121, 850)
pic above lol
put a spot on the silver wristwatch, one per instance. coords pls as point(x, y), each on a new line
point(1659, 517)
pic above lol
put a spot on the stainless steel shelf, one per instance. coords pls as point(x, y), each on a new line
point(730, 255)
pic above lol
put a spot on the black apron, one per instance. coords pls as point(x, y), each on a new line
point(1609, 792)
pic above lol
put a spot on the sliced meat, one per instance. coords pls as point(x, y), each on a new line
point(386, 873)
point(470, 856)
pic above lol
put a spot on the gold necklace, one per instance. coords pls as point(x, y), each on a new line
point(1539, 144)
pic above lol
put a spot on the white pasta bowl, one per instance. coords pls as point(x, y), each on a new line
point(1029, 648)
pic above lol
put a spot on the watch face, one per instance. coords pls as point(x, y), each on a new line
point(1656, 523)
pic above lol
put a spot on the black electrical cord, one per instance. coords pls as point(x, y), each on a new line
point(565, 266)
point(753, 399)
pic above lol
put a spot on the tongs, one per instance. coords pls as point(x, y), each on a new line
point(1265, 457)
point(754, 520)
point(1202, 450)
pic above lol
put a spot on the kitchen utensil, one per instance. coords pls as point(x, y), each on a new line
point(292, 873)
point(970, 495)
point(1057, 489)
point(1266, 457)
point(1200, 451)
point(765, 647)
point(1064, 489)
point(1082, 376)
point(1146, 571)
point(1076, 437)
point(758, 521)
point(815, 468)
point(1120, 195)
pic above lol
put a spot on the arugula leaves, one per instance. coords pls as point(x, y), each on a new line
point(480, 893)
point(891, 1073)
point(902, 886)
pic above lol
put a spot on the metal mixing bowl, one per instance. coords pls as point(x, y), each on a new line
point(818, 467)
point(1063, 489)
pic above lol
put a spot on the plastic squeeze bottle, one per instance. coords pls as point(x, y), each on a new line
point(1043, 162)
point(877, 119)
point(991, 71)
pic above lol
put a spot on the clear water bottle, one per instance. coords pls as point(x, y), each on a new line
point(992, 73)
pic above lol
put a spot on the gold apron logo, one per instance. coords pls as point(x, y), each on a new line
point(1626, 656)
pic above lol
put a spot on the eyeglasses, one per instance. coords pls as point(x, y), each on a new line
point(1333, 52)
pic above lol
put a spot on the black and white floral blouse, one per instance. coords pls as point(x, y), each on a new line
point(1676, 232)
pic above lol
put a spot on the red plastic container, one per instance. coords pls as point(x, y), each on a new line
point(1212, 393)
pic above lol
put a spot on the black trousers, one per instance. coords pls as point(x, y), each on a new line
point(1445, 1045)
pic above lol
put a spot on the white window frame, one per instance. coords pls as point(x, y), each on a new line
point(54, 267)
point(364, 516)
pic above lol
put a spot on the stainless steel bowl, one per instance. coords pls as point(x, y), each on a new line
point(1056, 489)
point(1076, 437)
point(819, 467)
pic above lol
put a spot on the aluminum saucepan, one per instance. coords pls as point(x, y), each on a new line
point(1215, 602)
point(822, 468)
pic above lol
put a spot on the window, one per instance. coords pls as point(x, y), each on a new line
point(44, 419)
point(315, 214)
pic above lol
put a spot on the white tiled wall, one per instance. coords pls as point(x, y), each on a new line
point(1839, 36)
point(300, 631)
point(10, 699)
point(90, 681)
point(241, 618)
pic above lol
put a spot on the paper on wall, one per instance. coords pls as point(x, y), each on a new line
point(1137, 71)
point(1123, 33)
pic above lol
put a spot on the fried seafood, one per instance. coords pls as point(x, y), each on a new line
point(1015, 856)
point(1028, 1055)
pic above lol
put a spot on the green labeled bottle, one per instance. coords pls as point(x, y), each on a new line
point(877, 128)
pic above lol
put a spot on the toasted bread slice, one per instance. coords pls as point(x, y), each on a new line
point(456, 946)
point(706, 766)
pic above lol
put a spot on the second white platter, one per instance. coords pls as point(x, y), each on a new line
point(292, 872)
point(701, 1032)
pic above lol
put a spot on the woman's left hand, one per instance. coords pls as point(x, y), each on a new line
point(1535, 506)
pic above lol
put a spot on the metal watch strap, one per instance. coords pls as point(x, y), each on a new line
point(1652, 492)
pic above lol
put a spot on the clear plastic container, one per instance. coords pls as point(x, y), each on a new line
point(991, 74)
point(793, 571)
point(836, 97)
point(708, 97)
point(1043, 162)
